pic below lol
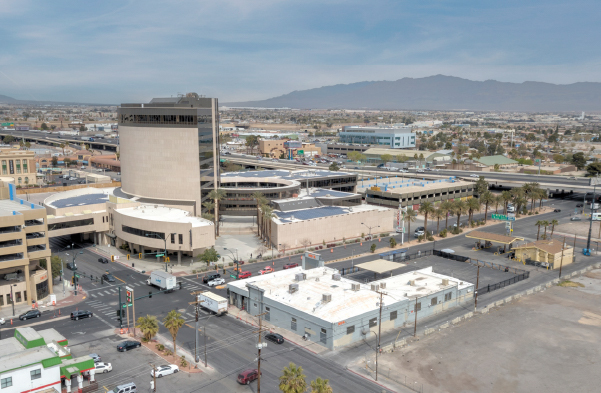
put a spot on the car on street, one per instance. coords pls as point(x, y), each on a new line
point(216, 281)
point(101, 368)
point(274, 337)
point(266, 269)
point(30, 314)
point(161, 371)
point(2, 321)
point(428, 169)
point(579, 205)
point(95, 357)
point(420, 171)
point(127, 345)
point(474, 175)
point(247, 376)
point(290, 265)
point(575, 218)
point(210, 277)
point(419, 233)
point(108, 277)
point(80, 314)
point(71, 266)
point(557, 211)
point(244, 274)
point(572, 178)
point(103, 260)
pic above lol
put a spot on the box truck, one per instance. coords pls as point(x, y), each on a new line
point(213, 302)
point(162, 280)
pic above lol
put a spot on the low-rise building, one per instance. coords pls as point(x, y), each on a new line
point(395, 137)
point(334, 311)
point(490, 161)
point(276, 149)
point(18, 165)
point(551, 253)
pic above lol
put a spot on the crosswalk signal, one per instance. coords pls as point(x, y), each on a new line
point(112, 258)
point(73, 280)
point(128, 257)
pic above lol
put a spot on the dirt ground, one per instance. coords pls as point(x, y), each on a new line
point(580, 228)
point(546, 342)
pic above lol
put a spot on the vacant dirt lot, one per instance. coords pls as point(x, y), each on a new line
point(546, 342)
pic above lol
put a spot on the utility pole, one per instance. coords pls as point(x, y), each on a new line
point(415, 324)
point(120, 319)
point(587, 251)
point(197, 305)
point(154, 378)
point(476, 291)
point(260, 345)
point(133, 311)
point(561, 262)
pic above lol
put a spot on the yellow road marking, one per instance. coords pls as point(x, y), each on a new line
point(199, 329)
point(220, 287)
point(83, 298)
point(119, 279)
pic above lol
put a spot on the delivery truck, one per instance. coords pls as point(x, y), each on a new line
point(162, 280)
point(213, 302)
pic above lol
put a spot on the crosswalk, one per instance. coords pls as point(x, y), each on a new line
point(108, 290)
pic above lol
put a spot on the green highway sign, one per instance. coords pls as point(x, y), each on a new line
point(124, 305)
point(160, 255)
point(502, 217)
point(232, 275)
point(76, 275)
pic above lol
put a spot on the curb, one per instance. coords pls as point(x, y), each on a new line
point(371, 380)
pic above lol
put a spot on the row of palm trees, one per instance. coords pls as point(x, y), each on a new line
point(149, 326)
point(519, 197)
point(264, 215)
point(545, 224)
point(216, 195)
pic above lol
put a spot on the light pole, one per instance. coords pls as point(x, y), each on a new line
point(62, 265)
point(155, 235)
point(370, 228)
point(235, 259)
point(12, 297)
point(74, 268)
point(204, 331)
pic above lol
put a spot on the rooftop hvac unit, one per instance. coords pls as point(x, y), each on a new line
point(299, 277)
point(336, 277)
point(375, 287)
point(355, 287)
point(383, 285)
point(293, 288)
point(412, 283)
point(326, 298)
point(445, 281)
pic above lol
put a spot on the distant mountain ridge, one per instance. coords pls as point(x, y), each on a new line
point(442, 92)
point(9, 100)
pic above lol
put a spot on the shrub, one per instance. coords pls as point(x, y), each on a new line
point(160, 347)
point(183, 362)
point(420, 238)
point(384, 234)
point(267, 257)
point(373, 248)
point(193, 271)
point(430, 237)
point(324, 242)
point(456, 231)
point(168, 352)
point(392, 242)
point(231, 264)
point(362, 234)
point(357, 240)
point(535, 212)
point(145, 339)
point(443, 233)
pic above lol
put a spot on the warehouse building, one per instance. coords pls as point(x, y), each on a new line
point(334, 311)
point(396, 137)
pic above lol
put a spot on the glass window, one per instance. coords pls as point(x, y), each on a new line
point(7, 382)
point(393, 315)
point(434, 301)
point(181, 238)
point(293, 324)
point(4, 167)
point(418, 306)
point(18, 297)
point(20, 180)
point(2, 300)
point(350, 329)
point(173, 238)
point(323, 337)
point(267, 315)
point(373, 322)
point(25, 166)
point(36, 374)
point(448, 296)
point(18, 163)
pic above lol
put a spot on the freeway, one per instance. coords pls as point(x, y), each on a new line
point(56, 139)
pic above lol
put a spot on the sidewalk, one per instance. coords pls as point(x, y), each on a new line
point(44, 305)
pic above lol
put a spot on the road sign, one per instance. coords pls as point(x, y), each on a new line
point(160, 255)
point(537, 160)
point(76, 275)
point(116, 256)
point(232, 275)
point(124, 305)
point(508, 225)
point(503, 217)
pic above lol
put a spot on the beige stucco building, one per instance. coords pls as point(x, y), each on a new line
point(275, 148)
point(546, 251)
point(18, 165)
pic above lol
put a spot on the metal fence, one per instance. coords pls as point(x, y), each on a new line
point(453, 257)
point(409, 257)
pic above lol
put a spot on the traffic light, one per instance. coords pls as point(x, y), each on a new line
point(112, 258)
point(140, 256)
point(128, 296)
point(150, 294)
point(128, 257)
point(73, 280)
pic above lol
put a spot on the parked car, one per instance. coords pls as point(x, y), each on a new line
point(420, 171)
point(274, 337)
point(127, 345)
point(71, 266)
point(108, 277)
point(30, 314)
point(161, 371)
point(216, 281)
point(579, 205)
point(290, 265)
point(266, 269)
point(557, 211)
point(2, 321)
point(244, 274)
point(419, 233)
point(247, 376)
point(572, 178)
point(474, 175)
point(103, 260)
point(76, 315)
point(575, 218)
point(95, 357)
point(210, 277)
point(101, 368)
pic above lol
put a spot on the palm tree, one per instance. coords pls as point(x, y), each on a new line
point(293, 379)
point(487, 198)
point(459, 208)
point(217, 195)
point(542, 194)
point(538, 223)
point(62, 146)
point(173, 322)
point(498, 201)
point(447, 207)
point(553, 223)
point(506, 196)
point(410, 217)
point(321, 386)
point(528, 189)
point(267, 216)
point(426, 208)
point(438, 214)
point(546, 224)
point(260, 199)
point(473, 204)
point(149, 325)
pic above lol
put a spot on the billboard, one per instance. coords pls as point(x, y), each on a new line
point(293, 145)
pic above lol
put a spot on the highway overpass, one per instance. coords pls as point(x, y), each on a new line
point(55, 139)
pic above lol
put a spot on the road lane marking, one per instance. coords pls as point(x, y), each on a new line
point(120, 279)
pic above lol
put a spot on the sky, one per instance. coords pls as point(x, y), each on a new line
point(131, 51)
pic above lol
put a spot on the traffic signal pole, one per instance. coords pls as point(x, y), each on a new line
point(120, 319)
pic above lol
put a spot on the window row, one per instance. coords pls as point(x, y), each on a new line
point(14, 166)
point(143, 232)
point(165, 119)
point(16, 295)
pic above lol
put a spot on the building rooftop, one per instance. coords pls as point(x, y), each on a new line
point(163, 213)
point(283, 174)
point(81, 200)
point(411, 186)
point(492, 160)
point(378, 151)
point(345, 302)
point(284, 217)
point(13, 356)
point(550, 246)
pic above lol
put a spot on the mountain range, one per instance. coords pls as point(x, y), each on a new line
point(9, 100)
point(441, 92)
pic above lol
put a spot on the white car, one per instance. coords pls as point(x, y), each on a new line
point(474, 175)
point(101, 367)
point(420, 171)
point(217, 281)
point(2, 321)
point(165, 370)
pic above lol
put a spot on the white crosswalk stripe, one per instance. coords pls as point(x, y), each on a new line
point(93, 295)
point(107, 292)
point(100, 294)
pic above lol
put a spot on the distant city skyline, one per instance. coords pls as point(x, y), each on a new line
point(127, 51)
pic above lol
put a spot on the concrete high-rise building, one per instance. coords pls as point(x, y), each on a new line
point(169, 150)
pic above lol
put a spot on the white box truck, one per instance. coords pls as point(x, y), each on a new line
point(212, 301)
point(162, 280)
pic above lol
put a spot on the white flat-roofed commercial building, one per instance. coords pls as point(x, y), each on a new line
point(334, 311)
point(396, 137)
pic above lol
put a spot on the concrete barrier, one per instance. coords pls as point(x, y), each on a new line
point(468, 315)
point(456, 321)
point(499, 303)
point(537, 288)
point(555, 281)
point(484, 310)
point(444, 326)
point(508, 299)
point(548, 285)
point(517, 296)
point(400, 343)
point(529, 292)
point(428, 331)
point(597, 265)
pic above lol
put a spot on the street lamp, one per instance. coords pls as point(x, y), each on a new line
point(62, 265)
point(370, 228)
point(235, 259)
point(74, 268)
point(155, 235)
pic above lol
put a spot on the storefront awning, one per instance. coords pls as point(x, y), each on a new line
point(492, 237)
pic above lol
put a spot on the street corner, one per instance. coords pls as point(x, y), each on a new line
point(183, 361)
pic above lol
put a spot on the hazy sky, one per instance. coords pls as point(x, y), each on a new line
point(130, 51)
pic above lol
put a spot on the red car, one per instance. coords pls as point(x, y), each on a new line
point(247, 376)
point(244, 275)
point(290, 265)
point(266, 269)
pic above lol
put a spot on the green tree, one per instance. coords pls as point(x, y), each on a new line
point(487, 199)
point(62, 146)
point(67, 162)
point(54, 162)
point(579, 160)
point(410, 216)
point(8, 139)
point(392, 242)
point(173, 322)
point(267, 220)
point(473, 204)
point(545, 223)
point(56, 263)
point(149, 325)
point(506, 196)
point(402, 158)
point(498, 201)
point(252, 141)
point(209, 255)
point(593, 169)
point(447, 207)
point(538, 224)
point(82, 128)
point(373, 248)
point(292, 379)
point(542, 194)
point(260, 200)
point(438, 215)
point(558, 158)
point(217, 195)
point(553, 223)
point(459, 208)
point(386, 158)
point(481, 186)
point(321, 386)
point(355, 156)
point(44, 126)
point(425, 209)
point(334, 167)
point(497, 168)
